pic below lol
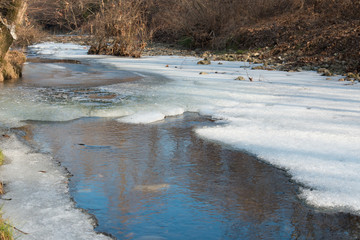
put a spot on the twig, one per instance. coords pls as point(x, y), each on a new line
point(6, 199)
point(17, 229)
point(247, 74)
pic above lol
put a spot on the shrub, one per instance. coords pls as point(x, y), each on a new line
point(120, 28)
point(62, 15)
point(12, 65)
point(28, 34)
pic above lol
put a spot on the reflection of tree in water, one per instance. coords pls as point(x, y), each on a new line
point(248, 198)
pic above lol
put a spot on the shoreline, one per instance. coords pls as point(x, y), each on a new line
point(19, 151)
point(260, 58)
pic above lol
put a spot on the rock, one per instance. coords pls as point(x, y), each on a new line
point(325, 72)
point(328, 73)
point(328, 78)
point(167, 66)
point(259, 67)
point(204, 62)
point(353, 75)
point(220, 63)
point(321, 70)
point(206, 55)
point(203, 73)
point(341, 80)
point(240, 78)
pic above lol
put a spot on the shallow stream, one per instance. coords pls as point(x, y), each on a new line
point(157, 180)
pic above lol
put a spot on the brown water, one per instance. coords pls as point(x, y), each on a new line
point(160, 181)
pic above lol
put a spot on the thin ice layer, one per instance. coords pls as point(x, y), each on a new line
point(40, 203)
point(297, 121)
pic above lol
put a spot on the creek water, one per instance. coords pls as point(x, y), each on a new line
point(160, 180)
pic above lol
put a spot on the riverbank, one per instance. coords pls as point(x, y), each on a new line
point(289, 55)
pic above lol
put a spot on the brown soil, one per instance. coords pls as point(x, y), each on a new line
point(309, 41)
point(293, 42)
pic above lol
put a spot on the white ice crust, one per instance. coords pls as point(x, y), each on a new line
point(297, 121)
point(40, 203)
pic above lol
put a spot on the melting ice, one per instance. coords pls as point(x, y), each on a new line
point(299, 121)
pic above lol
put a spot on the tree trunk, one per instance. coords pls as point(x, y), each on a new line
point(9, 17)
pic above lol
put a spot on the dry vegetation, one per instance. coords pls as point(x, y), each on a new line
point(1, 163)
point(120, 28)
point(12, 65)
point(6, 230)
point(324, 32)
point(12, 13)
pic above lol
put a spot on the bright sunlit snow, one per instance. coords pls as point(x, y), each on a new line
point(298, 121)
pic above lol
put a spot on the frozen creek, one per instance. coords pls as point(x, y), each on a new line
point(298, 122)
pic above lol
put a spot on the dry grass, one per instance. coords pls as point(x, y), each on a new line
point(211, 23)
point(120, 28)
point(6, 230)
point(28, 34)
point(215, 23)
point(2, 159)
point(12, 65)
point(62, 15)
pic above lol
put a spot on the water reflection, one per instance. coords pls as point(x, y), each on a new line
point(160, 181)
